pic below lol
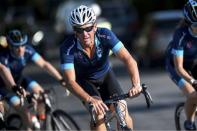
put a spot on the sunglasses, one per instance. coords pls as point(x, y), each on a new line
point(81, 30)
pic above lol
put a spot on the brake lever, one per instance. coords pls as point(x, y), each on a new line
point(147, 96)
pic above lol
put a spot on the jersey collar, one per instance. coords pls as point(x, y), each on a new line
point(96, 41)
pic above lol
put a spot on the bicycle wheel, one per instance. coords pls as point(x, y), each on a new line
point(180, 116)
point(60, 120)
point(14, 122)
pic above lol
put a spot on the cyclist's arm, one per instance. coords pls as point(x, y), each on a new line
point(178, 62)
point(131, 64)
point(48, 68)
point(6, 76)
point(74, 86)
point(132, 67)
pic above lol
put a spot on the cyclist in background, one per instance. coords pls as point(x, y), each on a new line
point(85, 64)
point(12, 62)
point(181, 60)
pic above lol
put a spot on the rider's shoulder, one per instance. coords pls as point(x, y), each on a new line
point(104, 33)
point(4, 51)
point(4, 55)
point(103, 30)
point(29, 47)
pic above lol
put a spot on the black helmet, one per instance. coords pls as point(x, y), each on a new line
point(16, 38)
point(190, 11)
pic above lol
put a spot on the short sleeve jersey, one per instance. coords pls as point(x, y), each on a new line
point(16, 65)
point(184, 44)
point(73, 56)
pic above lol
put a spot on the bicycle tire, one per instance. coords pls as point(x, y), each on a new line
point(14, 122)
point(60, 120)
point(179, 116)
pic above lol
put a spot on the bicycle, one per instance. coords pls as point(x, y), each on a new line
point(9, 119)
point(56, 119)
point(118, 113)
point(180, 116)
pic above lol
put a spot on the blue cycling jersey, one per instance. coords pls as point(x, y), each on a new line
point(16, 65)
point(184, 44)
point(73, 56)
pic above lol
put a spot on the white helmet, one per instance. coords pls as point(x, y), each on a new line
point(82, 15)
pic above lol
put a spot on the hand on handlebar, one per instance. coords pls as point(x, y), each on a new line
point(135, 90)
point(99, 106)
point(19, 90)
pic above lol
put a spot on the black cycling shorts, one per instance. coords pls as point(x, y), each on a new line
point(104, 87)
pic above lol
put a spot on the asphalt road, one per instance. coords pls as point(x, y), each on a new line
point(164, 92)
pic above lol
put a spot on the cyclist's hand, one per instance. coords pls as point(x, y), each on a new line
point(99, 106)
point(19, 90)
point(22, 92)
point(135, 90)
point(194, 84)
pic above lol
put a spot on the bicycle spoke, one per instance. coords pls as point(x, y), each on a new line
point(63, 121)
point(56, 124)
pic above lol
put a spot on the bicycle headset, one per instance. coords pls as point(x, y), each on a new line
point(15, 38)
point(82, 15)
point(190, 11)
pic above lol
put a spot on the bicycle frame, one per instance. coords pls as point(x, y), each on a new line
point(56, 119)
point(119, 116)
point(118, 113)
point(11, 114)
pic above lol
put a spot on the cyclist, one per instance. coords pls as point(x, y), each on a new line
point(12, 62)
point(181, 60)
point(85, 63)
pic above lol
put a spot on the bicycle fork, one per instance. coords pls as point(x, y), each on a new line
point(120, 115)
